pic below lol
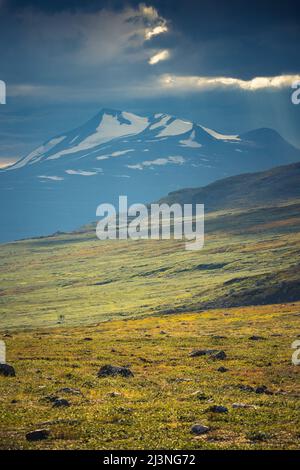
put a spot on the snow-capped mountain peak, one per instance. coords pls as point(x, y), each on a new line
point(113, 133)
point(59, 185)
point(112, 125)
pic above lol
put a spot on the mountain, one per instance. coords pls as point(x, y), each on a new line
point(280, 184)
point(59, 185)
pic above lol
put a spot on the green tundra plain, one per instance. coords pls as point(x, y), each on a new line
point(71, 304)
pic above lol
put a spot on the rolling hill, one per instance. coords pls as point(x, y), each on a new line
point(279, 184)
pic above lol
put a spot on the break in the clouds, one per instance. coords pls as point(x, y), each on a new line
point(255, 83)
point(157, 24)
point(162, 55)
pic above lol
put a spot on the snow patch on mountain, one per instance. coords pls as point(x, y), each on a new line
point(176, 127)
point(219, 136)
point(81, 172)
point(176, 160)
point(162, 123)
point(118, 153)
point(190, 141)
point(37, 154)
point(110, 127)
point(53, 178)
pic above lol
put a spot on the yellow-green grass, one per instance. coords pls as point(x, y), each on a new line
point(249, 257)
point(121, 295)
point(156, 408)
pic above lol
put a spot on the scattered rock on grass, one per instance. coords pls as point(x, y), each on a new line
point(60, 403)
point(214, 353)
point(49, 398)
point(259, 390)
point(38, 435)
point(200, 395)
point(246, 388)
point(219, 355)
point(256, 338)
point(263, 389)
point(222, 369)
point(199, 429)
point(109, 370)
point(7, 371)
point(57, 401)
point(203, 352)
point(218, 409)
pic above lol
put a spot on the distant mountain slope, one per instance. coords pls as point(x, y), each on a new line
point(59, 185)
point(279, 184)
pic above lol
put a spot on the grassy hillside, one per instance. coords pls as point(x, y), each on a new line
point(170, 391)
point(147, 305)
point(247, 190)
point(250, 257)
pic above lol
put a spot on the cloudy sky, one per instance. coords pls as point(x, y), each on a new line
point(228, 65)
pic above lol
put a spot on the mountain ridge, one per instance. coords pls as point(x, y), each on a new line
point(157, 121)
point(59, 185)
point(279, 184)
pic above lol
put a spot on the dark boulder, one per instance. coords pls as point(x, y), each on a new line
point(218, 409)
point(219, 355)
point(113, 371)
point(214, 353)
point(7, 371)
point(38, 435)
point(203, 352)
point(199, 429)
point(263, 389)
point(222, 369)
point(61, 403)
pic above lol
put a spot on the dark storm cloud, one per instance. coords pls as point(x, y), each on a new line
point(62, 60)
point(232, 38)
point(77, 48)
point(212, 37)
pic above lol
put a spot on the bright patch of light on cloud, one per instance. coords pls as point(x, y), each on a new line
point(148, 12)
point(156, 24)
point(256, 83)
point(162, 55)
point(155, 31)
